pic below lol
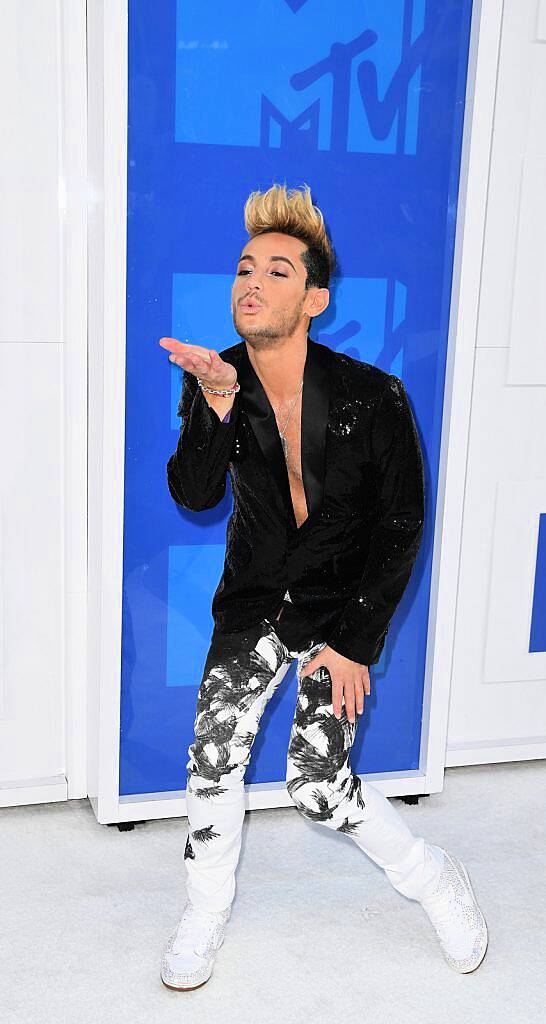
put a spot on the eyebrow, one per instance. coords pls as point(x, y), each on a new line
point(271, 258)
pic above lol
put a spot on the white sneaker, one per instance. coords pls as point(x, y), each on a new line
point(191, 950)
point(454, 912)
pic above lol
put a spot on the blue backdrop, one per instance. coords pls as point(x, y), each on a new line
point(367, 108)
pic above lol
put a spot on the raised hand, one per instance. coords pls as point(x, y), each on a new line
point(205, 363)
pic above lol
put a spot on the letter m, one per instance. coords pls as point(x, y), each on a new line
point(301, 133)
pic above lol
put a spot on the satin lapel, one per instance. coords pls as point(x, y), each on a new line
point(315, 400)
point(314, 419)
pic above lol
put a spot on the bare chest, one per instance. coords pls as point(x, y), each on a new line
point(292, 446)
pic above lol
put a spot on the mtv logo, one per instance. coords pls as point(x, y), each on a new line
point(303, 80)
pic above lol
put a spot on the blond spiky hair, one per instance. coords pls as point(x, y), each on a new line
point(292, 212)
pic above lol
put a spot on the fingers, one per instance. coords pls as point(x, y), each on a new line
point(180, 348)
point(359, 698)
point(350, 702)
point(200, 361)
point(191, 361)
point(337, 692)
point(195, 358)
point(353, 693)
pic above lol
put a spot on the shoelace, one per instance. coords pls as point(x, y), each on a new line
point(445, 913)
point(201, 923)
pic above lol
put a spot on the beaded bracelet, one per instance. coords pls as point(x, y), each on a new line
point(224, 391)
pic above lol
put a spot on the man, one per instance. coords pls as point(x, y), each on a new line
point(328, 487)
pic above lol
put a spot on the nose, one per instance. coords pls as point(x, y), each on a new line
point(254, 290)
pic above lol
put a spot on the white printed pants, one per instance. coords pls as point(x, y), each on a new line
point(242, 671)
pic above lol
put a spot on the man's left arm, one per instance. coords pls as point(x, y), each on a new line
point(360, 632)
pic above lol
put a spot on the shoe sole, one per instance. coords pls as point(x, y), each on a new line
point(459, 867)
point(185, 988)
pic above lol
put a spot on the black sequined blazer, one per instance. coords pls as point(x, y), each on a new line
point(348, 564)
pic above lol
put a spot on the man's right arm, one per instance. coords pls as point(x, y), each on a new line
point(197, 470)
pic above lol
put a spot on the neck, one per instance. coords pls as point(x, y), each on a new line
point(280, 367)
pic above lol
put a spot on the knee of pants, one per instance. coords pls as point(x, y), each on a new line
point(313, 803)
point(223, 763)
point(317, 799)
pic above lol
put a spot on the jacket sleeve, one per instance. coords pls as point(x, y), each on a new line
point(396, 537)
point(197, 470)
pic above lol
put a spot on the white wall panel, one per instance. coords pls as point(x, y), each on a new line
point(518, 130)
point(527, 355)
point(496, 693)
point(43, 400)
point(31, 496)
point(498, 689)
point(30, 256)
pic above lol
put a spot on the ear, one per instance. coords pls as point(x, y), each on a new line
point(318, 300)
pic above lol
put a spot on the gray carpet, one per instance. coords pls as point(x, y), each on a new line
point(317, 932)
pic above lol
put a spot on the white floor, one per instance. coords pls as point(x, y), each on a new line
point(317, 933)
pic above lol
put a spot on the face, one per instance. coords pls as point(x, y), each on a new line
point(269, 301)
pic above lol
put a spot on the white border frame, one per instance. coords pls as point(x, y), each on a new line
point(70, 54)
point(107, 108)
point(73, 249)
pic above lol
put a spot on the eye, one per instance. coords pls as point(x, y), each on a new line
point(277, 272)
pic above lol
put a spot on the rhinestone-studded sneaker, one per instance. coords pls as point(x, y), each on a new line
point(454, 912)
point(189, 955)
